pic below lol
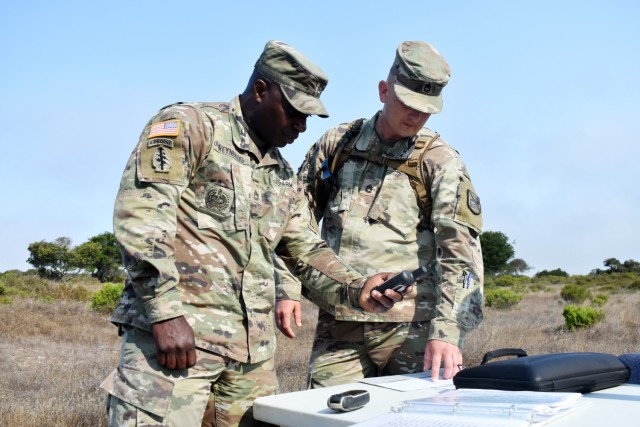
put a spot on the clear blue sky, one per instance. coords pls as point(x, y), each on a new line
point(541, 104)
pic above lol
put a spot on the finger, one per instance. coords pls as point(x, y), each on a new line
point(285, 327)
point(297, 315)
point(448, 368)
point(382, 299)
point(171, 361)
point(181, 360)
point(162, 359)
point(435, 367)
point(192, 358)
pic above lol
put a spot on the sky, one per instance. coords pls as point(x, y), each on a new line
point(540, 105)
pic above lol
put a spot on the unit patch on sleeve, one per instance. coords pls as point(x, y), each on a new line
point(160, 157)
point(166, 128)
point(468, 209)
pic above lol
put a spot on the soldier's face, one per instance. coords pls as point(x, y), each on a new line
point(279, 124)
point(398, 120)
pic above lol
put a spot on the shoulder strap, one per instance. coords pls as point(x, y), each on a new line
point(344, 147)
point(413, 167)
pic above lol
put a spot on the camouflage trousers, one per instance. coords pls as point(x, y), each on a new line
point(345, 351)
point(143, 393)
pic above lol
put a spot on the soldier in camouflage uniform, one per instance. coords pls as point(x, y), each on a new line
point(371, 218)
point(204, 200)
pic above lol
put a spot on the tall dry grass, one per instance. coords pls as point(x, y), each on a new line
point(53, 355)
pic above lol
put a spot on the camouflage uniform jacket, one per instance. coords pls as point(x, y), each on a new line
point(198, 214)
point(371, 218)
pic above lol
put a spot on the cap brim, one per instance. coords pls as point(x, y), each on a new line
point(418, 101)
point(304, 103)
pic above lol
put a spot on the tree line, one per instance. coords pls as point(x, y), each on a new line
point(100, 257)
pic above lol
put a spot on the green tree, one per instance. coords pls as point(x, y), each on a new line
point(52, 260)
point(557, 272)
point(615, 266)
point(517, 267)
point(100, 256)
point(496, 252)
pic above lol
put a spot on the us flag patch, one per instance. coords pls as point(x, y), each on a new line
point(167, 128)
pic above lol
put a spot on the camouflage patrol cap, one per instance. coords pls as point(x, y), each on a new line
point(419, 74)
point(301, 80)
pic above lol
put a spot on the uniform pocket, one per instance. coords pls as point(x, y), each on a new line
point(144, 390)
point(218, 208)
point(395, 206)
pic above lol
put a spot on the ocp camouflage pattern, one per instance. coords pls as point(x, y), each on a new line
point(373, 221)
point(198, 217)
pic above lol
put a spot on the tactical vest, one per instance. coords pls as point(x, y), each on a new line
point(412, 167)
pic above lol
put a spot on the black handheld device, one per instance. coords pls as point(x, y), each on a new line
point(401, 281)
point(348, 400)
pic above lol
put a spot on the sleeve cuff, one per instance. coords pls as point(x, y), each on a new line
point(164, 307)
point(353, 291)
point(288, 290)
point(447, 331)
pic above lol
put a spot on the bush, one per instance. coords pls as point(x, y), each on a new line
point(3, 290)
point(539, 287)
point(557, 273)
point(574, 293)
point(599, 300)
point(106, 299)
point(506, 281)
point(635, 285)
point(576, 316)
point(66, 291)
point(501, 298)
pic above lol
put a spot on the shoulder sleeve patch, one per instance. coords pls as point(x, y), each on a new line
point(160, 156)
point(469, 210)
point(166, 128)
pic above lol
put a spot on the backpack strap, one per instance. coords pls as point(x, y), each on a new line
point(334, 162)
point(413, 166)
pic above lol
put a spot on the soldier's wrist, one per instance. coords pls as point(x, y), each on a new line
point(354, 289)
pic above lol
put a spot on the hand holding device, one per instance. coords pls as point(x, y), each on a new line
point(401, 281)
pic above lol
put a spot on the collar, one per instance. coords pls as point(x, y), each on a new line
point(245, 139)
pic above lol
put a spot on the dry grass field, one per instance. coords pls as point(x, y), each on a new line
point(54, 354)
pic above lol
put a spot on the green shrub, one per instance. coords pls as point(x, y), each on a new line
point(506, 281)
point(574, 293)
point(536, 287)
point(577, 316)
point(501, 298)
point(66, 291)
point(106, 299)
point(599, 300)
point(24, 285)
point(3, 290)
point(635, 285)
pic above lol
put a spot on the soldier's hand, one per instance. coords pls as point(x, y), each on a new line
point(284, 310)
point(442, 354)
point(175, 345)
point(374, 301)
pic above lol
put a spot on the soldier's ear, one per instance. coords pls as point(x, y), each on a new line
point(260, 90)
point(383, 89)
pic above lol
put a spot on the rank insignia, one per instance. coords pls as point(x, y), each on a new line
point(217, 201)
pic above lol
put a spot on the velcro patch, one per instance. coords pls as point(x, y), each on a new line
point(166, 128)
point(469, 210)
point(161, 159)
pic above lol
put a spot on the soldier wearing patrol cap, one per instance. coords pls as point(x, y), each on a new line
point(204, 200)
point(394, 195)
